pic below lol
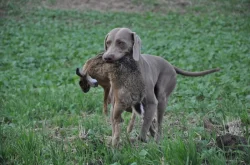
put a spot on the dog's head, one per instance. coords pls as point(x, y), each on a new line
point(120, 42)
point(86, 81)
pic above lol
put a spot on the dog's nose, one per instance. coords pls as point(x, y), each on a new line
point(109, 58)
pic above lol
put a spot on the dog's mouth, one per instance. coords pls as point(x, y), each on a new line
point(120, 60)
point(108, 60)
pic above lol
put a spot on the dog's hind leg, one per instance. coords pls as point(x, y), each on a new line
point(160, 113)
point(162, 95)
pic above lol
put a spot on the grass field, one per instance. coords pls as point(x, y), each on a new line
point(43, 111)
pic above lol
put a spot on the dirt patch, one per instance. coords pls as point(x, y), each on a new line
point(120, 5)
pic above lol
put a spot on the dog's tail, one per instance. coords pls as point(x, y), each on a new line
point(195, 74)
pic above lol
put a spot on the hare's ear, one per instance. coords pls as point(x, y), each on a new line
point(79, 72)
point(136, 46)
point(105, 45)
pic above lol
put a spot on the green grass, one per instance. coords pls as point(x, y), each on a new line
point(42, 109)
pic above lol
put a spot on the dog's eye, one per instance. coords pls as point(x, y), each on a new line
point(120, 43)
point(108, 43)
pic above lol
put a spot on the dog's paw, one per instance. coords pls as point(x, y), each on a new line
point(142, 139)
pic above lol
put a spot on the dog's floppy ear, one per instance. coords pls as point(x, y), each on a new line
point(105, 46)
point(136, 46)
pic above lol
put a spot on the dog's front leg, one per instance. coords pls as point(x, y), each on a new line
point(112, 119)
point(150, 110)
point(117, 120)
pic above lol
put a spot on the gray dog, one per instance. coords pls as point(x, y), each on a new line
point(158, 75)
